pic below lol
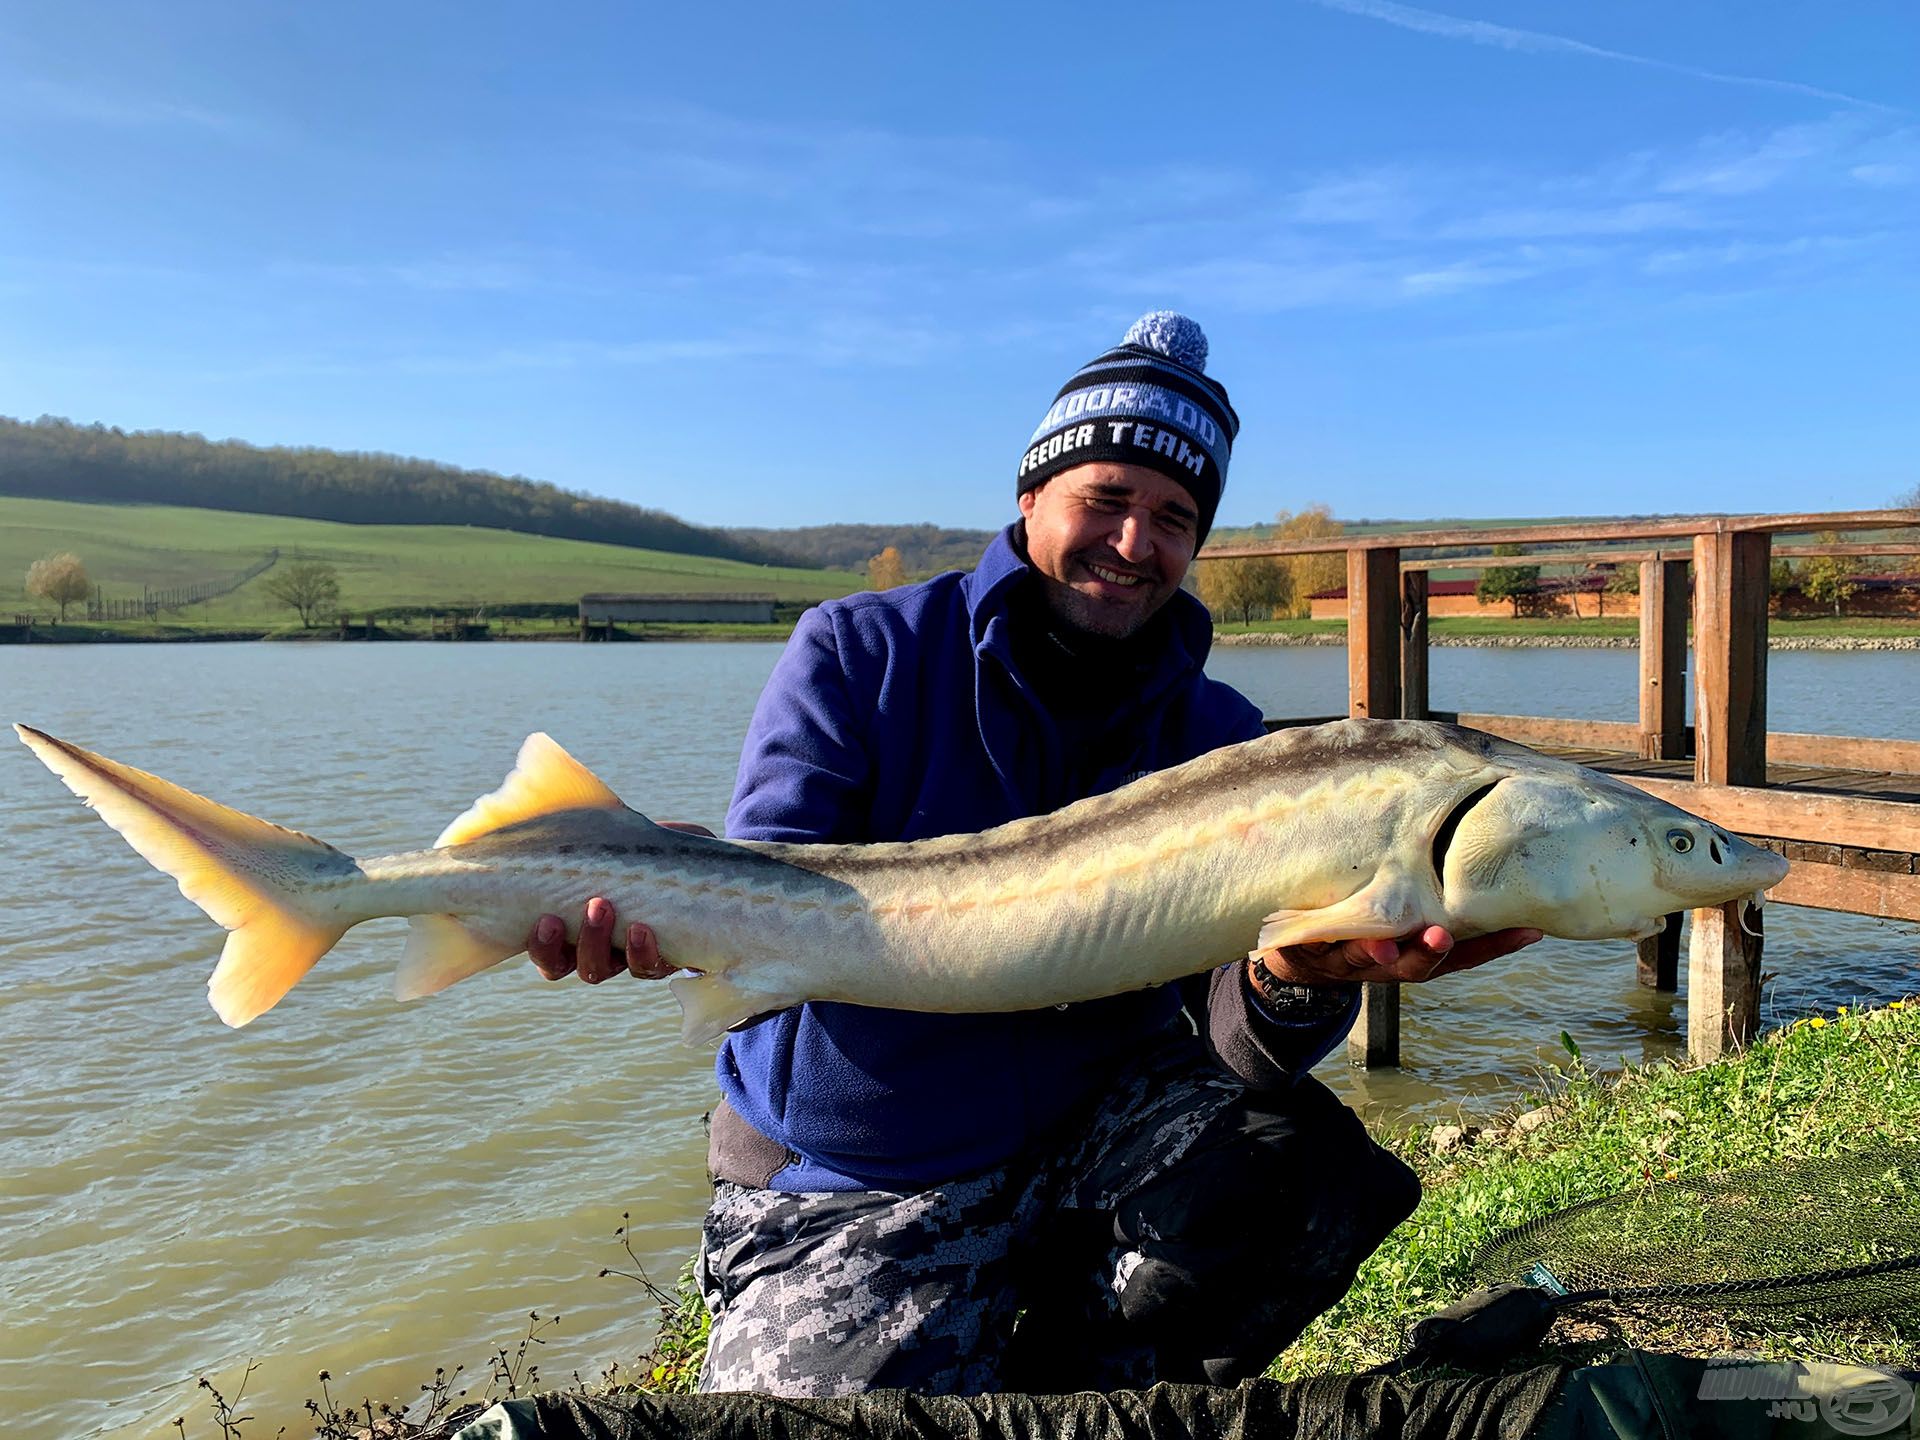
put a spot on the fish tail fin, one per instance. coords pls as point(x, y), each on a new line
point(711, 1005)
point(442, 949)
point(260, 881)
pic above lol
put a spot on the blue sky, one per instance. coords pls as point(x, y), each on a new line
point(798, 264)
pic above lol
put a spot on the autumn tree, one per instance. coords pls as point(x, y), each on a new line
point(1244, 586)
point(1507, 582)
point(1309, 575)
point(886, 571)
point(1830, 579)
point(59, 578)
point(311, 587)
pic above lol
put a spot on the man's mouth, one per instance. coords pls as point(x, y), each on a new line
point(1114, 577)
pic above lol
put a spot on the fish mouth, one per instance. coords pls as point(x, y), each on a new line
point(1443, 837)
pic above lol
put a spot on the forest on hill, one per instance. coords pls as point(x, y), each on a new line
point(924, 549)
point(55, 459)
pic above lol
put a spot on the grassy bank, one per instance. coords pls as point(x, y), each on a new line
point(1819, 1087)
point(1627, 626)
point(381, 567)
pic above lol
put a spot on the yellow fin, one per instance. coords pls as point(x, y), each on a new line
point(545, 779)
point(1384, 910)
point(278, 891)
point(442, 949)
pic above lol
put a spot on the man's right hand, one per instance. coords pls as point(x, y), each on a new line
point(594, 957)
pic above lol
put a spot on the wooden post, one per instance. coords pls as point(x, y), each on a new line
point(1373, 634)
point(1373, 690)
point(1658, 964)
point(1663, 659)
point(1723, 979)
point(1730, 748)
point(1413, 644)
point(1730, 657)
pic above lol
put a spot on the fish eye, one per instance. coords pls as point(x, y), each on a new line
point(1680, 840)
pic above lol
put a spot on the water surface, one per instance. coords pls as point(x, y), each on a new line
point(377, 1189)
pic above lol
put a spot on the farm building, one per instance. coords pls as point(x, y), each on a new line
point(695, 609)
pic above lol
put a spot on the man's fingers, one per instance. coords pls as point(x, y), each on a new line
point(547, 948)
point(593, 952)
point(643, 954)
point(1469, 953)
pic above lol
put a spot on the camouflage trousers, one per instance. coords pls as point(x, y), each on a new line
point(1187, 1230)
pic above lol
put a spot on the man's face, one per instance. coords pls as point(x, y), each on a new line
point(1111, 543)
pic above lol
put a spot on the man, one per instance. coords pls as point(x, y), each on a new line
point(1091, 1196)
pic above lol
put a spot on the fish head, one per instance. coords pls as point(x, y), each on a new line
point(1585, 857)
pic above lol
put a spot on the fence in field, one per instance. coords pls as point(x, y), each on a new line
point(176, 597)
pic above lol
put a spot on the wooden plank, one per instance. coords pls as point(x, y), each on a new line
point(1373, 634)
point(1552, 730)
point(1374, 1040)
point(1620, 555)
point(1843, 752)
point(1723, 979)
point(1657, 962)
point(1413, 644)
point(1580, 533)
point(1888, 894)
point(1663, 659)
point(1730, 658)
point(1793, 814)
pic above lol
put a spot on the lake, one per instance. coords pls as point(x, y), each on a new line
point(377, 1189)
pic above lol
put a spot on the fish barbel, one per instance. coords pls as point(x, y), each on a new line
point(1352, 830)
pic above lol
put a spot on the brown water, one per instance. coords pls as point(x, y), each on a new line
point(377, 1189)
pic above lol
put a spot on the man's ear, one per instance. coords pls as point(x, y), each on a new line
point(1028, 498)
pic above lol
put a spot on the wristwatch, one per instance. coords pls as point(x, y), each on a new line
point(1285, 1000)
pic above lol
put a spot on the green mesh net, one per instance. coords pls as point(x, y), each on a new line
point(1837, 1235)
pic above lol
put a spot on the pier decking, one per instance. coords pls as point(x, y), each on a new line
point(1844, 809)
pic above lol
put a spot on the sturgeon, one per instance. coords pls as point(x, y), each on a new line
point(1351, 830)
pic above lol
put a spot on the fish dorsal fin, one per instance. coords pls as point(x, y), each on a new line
point(545, 779)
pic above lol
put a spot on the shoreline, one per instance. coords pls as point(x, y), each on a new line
point(54, 634)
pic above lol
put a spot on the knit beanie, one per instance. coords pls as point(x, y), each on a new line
point(1146, 402)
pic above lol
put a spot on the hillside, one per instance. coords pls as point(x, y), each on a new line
point(924, 549)
point(126, 547)
point(57, 460)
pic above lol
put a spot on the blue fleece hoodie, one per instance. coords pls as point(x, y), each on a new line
point(903, 715)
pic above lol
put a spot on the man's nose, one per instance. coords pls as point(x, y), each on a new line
point(1135, 540)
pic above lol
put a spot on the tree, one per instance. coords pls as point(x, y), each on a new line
point(1624, 580)
point(1781, 581)
point(1829, 579)
point(886, 571)
point(1507, 582)
point(1309, 575)
point(59, 578)
point(311, 587)
point(1259, 583)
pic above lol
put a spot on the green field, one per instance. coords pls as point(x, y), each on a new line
point(126, 547)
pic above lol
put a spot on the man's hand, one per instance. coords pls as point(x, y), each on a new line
point(1406, 961)
point(594, 956)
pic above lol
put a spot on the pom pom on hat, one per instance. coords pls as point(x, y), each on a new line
point(1169, 333)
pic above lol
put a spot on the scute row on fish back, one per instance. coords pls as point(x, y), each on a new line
point(1350, 830)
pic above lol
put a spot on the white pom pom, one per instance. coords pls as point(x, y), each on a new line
point(1173, 335)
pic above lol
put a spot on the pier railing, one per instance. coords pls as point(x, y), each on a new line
point(1844, 809)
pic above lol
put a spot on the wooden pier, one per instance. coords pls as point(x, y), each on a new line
point(1844, 809)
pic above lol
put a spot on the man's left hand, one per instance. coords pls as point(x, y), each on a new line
point(1407, 961)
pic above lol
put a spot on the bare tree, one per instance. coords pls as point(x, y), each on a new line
point(311, 587)
point(59, 578)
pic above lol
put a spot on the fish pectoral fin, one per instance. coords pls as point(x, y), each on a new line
point(711, 1005)
point(545, 780)
point(1383, 910)
point(442, 949)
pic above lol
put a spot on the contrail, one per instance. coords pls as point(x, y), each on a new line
point(1505, 37)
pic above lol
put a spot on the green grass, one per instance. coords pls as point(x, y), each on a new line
point(1818, 1087)
point(125, 547)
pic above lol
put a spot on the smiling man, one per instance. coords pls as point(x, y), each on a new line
point(1141, 1188)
